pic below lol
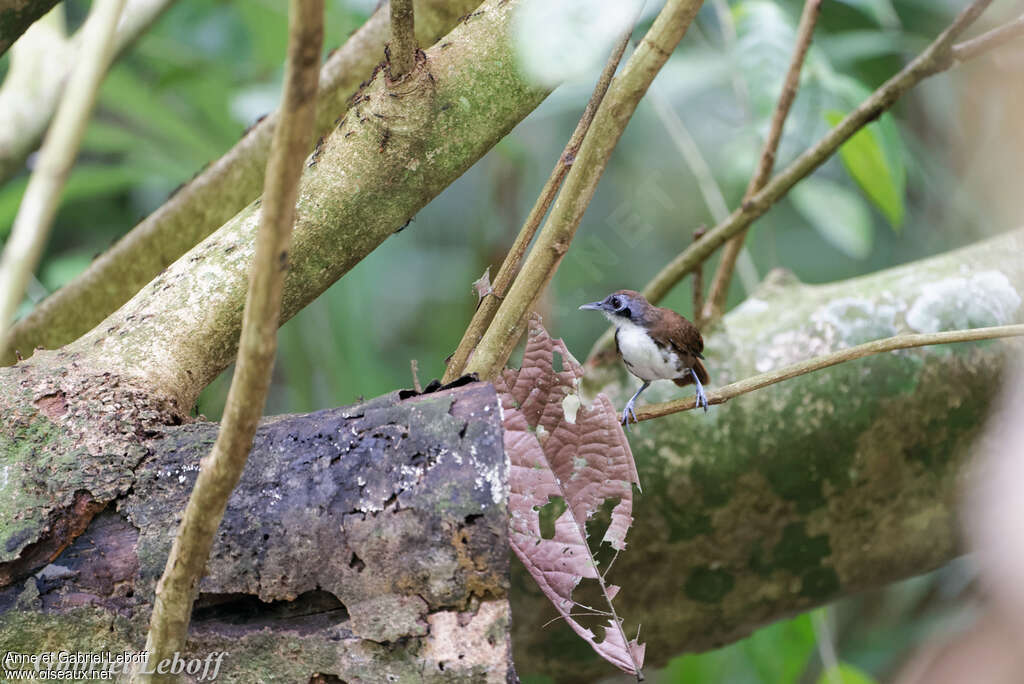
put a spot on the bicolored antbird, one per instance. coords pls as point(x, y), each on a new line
point(655, 344)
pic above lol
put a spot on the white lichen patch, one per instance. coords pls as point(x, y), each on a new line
point(984, 299)
point(751, 307)
point(856, 319)
point(495, 479)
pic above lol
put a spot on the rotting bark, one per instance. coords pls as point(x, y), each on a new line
point(813, 489)
point(361, 542)
point(217, 193)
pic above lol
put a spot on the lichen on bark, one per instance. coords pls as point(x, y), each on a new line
point(797, 494)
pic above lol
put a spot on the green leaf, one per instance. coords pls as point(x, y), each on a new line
point(86, 180)
point(780, 652)
point(765, 34)
point(844, 673)
point(775, 654)
point(837, 213)
point(881, 11)
point(872, 157)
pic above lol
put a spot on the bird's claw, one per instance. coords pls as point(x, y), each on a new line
point(702, 399)
point(627, 412)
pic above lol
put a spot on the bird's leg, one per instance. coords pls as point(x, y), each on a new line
point(702, 399)
point(628, 411)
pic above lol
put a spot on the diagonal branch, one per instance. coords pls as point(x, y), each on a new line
point(220, 471)
point(936, 58)
point(969, 49)
point(38, 206)
point(756, 382)
point(392, 153)
point(211, 198)
point(484, 313)
point(610, 121)
point(715, 303)
point(40, 64)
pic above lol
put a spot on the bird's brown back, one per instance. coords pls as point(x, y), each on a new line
point(670, 328)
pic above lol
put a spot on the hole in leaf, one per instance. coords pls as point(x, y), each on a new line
point(597, 526)
point(557, 362)
point(548, 514)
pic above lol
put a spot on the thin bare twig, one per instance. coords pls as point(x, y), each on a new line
point(756, 382)
point(610, 121)
point(934, 59)
point(220, 470)
point(970, 49)
point(414, 366)
point(715, 303)
point(213, 197)
point(510, 266)
point(45, 55)
point(402, 49)
point(39, 204)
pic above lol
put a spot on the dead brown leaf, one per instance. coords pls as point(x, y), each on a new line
point(560, 449)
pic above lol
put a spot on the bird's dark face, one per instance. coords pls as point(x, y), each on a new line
point(624, 305)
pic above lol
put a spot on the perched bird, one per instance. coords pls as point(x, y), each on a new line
point(655, 344)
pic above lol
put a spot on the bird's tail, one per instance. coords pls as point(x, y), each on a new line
point(702, 375)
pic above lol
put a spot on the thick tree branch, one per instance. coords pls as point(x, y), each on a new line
point(31, 229)
point(214, 196)
point(906, 341)
point(484, 313)
point(394, 151)
point(38, 72)
point(610, 121)
point(831, 483)
point(402, 48)
point(937, 57)
point(221, 469)
point(715, 304)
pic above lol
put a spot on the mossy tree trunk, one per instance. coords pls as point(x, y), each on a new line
point(816, 488)
point(773, 503)
point(361, 542)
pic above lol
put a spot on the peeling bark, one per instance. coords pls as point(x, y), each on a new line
point(361, 542)
point(810, 490)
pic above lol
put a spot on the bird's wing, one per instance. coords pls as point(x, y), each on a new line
point(675, 330)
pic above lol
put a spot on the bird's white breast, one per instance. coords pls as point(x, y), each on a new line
point(643, 357)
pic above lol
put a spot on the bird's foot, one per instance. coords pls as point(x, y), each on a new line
point(627, 412)
point(702, 399)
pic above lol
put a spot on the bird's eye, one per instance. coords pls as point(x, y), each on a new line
point(616, 303)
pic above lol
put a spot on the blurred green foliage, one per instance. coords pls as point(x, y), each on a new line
point(188, 89)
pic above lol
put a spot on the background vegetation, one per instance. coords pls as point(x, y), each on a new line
point(208, 69)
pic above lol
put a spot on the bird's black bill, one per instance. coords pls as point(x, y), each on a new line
point(593, 306)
